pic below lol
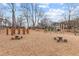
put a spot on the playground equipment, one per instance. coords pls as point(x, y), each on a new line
point(60, 39)
point(14, 31)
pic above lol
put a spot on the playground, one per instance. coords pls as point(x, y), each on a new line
point(38, 43)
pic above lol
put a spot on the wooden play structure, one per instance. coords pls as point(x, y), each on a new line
point(13, 31)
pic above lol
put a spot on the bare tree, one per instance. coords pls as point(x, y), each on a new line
point(20, 21)
point(32, 9)
point(12, 7)
point(1, 13)
point(1, 19)
point(40, 15)
point(70, 8)
point(26, 12)
point(32, 13)
point(37, 14)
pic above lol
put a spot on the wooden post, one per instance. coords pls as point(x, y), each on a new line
point(23, 30)
point(27, 31)
point(11, 31)
point(14, 30)
point(18, 30)
point(7, 31)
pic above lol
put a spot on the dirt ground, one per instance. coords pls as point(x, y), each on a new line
point(39, 43)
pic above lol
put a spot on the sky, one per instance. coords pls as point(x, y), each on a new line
point(54, 11)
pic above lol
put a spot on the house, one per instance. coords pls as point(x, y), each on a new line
point(4, 23)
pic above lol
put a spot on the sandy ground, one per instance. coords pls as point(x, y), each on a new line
point(39, 43)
